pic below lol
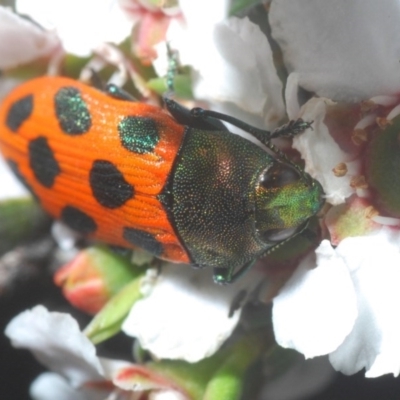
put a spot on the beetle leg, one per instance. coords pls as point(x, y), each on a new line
point(290, 129)
point(226, 275)
point(198, 266)
point(237, 302)
point(172, 69)
point(242, 271)
point(184, 116)
point(222, 275)
point(311, 235)
point(111, 89)
point(118, 93)
point(260, 134)
point(180, 113)
point(95, 80)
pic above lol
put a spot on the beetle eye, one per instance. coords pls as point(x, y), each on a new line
point(278, 235)
point(279, 175)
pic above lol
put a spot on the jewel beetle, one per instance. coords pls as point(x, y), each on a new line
point(175, 182)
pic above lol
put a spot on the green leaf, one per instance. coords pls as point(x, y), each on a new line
point(20, 220)
point(182, 86)
point(115, 269)
point(109, 320)
point(240, 5)
point(217, 377)
point(228, 381)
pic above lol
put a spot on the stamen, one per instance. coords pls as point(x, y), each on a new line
point(359, 182)
point(359, 136)
point(366, 122)
point(340, 170)
point(363, 193)
point(383, 122)
point(387, 221)
point(394, 113)
point(385, 101)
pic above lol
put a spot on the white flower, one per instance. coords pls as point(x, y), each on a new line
point(374, 342)
point(21, 41)
point(82, 25)
point(52, 334)
point(347, 306)
point(345, 303)
point(232, 60)
point(310, 305)
point(56, 341)
point(322, 154)
point(11, 188)
point(342, 301)
point(50, 385)
point(186, 316)
point(340, 50)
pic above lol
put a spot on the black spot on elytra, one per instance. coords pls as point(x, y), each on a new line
point(19, 112)
point(144, 240)
point(42, 161)
point(78, 220)
point(138, 134)
point(15, 169)
point(108, 185)
point(71, 111)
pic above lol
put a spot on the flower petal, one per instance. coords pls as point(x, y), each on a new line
point(50, 386)
point(202, 16)
point(168, 395)
point(322, 154)
point(22, 41)
point(82, 25)
point(11, 188)
point(139, 378)
point(232, 59)
point(334, 48)
point(374, 343)
point(316, 309)
point(352, 218)
point(186, 316)
point(242, 71)
point(56, 341)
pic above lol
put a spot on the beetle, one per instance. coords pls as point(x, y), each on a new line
point(175, 182)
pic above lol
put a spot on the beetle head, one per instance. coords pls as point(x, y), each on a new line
point(286, 197)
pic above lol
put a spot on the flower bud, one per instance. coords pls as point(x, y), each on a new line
point(94, 276)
